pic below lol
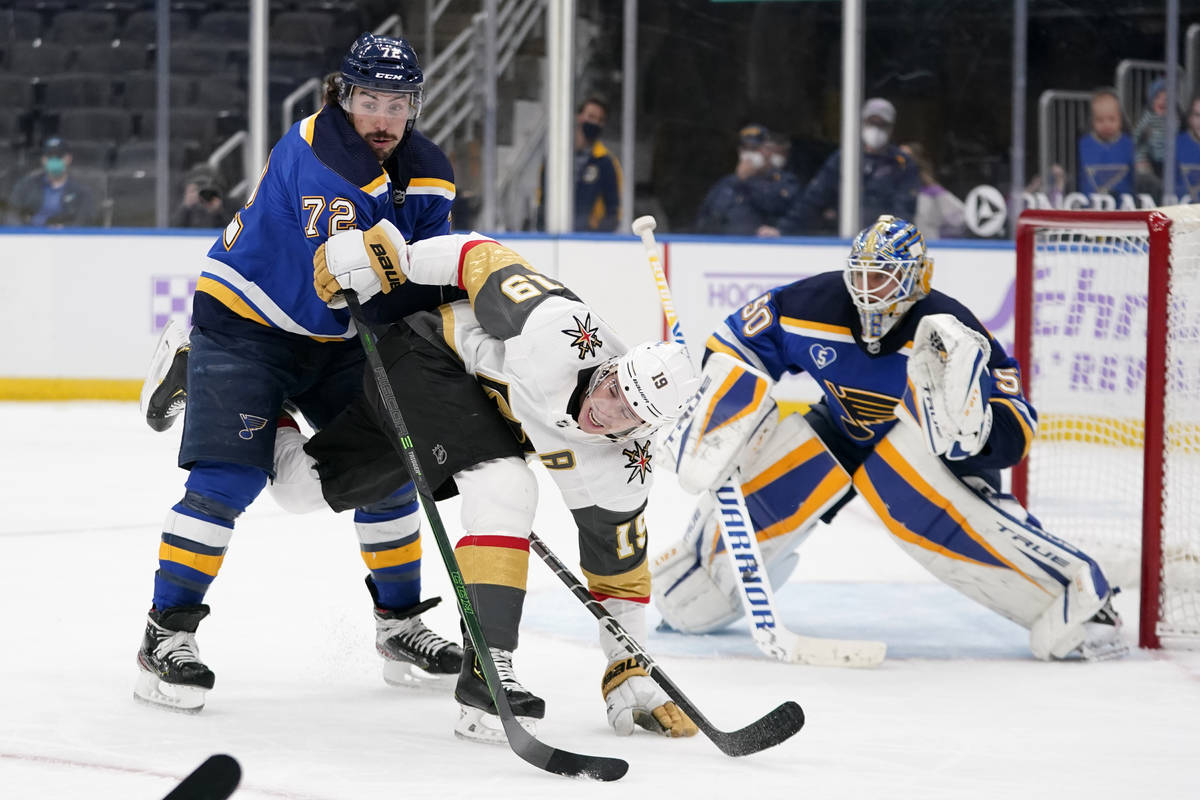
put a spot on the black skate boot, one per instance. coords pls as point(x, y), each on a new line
point(164, 392)
point(172, 674)
point(477, 718)
point(1102, 635)
point(414, 655)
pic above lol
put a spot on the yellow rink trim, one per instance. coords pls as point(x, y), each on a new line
point(44, 389)
point(1112, 431)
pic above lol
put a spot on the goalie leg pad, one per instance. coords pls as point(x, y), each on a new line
point(975, 542)
point(792, 480)
point(710, 435)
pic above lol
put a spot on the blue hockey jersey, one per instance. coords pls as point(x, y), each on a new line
point(1106, 167)
point(812, 326)
point(320, 178)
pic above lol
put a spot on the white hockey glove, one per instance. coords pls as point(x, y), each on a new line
point(948, 376)
point(634, 699)
point(710, 435)
point(368, 262)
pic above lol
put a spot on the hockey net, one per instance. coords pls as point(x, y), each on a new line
point(1108, 336)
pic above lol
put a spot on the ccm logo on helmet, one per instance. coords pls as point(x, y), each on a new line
point(390, 76)
point(385, 263)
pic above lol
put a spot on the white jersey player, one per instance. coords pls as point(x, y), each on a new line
point(921, 410)
point(523, 367)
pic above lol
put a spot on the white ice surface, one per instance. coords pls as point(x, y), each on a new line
point(959, 710)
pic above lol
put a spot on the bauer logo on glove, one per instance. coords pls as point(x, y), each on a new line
point(368, 262)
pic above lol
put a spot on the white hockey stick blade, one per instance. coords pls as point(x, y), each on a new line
point(814, 651)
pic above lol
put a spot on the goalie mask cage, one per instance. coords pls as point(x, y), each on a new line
point(1108, 337)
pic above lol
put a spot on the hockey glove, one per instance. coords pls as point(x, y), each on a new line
point(633, 698)
point(368, 262)
point(948, 376)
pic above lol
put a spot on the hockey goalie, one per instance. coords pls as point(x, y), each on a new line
point(921, 409)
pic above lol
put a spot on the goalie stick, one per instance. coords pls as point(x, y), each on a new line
point(524, 744)
point(741, 543)
point(776, 727)
point(215, 779)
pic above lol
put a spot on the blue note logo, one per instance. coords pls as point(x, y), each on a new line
point(250, 424)
point(822, 356)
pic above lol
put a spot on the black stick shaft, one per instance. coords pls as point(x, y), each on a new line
point(525, 745)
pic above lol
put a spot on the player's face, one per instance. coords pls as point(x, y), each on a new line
point(1106, 118)
point(604, 409)
point(379, 118)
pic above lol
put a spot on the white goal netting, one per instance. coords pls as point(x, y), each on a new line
point(1087, 377)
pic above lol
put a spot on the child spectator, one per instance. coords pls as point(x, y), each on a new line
point(1106, 153)
point(1187, 157)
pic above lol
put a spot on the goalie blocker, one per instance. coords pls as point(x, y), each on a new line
point(891, 350)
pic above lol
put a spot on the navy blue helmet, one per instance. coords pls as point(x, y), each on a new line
point(385, 64)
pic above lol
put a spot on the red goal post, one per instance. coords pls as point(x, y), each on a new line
point(1105, 301)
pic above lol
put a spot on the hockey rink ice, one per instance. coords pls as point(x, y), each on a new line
point(960, 708)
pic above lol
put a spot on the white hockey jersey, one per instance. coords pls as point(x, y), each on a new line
point(533, 345)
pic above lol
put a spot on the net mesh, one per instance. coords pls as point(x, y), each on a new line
point(1087, 379)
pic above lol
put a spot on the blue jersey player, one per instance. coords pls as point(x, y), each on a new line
point(921, 409)
point(261, 336)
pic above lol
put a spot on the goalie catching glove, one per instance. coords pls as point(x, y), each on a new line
point(949, 381)
point(368, 262)
point(634, 699)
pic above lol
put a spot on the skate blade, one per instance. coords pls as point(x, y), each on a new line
point(410, 676)
point(172, 697)
point(476, 725)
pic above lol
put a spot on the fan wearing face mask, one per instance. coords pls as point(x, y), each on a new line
point(751, 200)
point(891, 179)
point(51, 197)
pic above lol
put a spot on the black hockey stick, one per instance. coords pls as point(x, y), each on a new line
point(215, 779)
point(525, 745)
point(777, 726)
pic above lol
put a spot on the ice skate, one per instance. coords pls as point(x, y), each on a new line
point(172, 674)
point(164, 392)
point(477, 718)
point(1102, 636)
point(413, 655)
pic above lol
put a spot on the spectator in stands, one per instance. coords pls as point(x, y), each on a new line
point(1187, 157)
point(597, 171)
point(1106, 153)
point(890, 178)
point(50, 197)
point(1150, 140)
point(203, 204)
point(940, 214)
point(751, 200)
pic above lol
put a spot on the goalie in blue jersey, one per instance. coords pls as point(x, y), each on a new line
point(921, 409)
point(261, 336)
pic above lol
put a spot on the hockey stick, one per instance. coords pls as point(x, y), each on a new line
point(776, 727)
point(741, 543)
point(524, 744)
point(215, 779)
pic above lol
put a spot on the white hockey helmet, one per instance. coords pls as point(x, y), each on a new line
point(887, 273)
point(656, 380)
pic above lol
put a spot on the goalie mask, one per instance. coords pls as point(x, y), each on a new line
point(631, 396)
point(887, 273)
point(382, 64)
